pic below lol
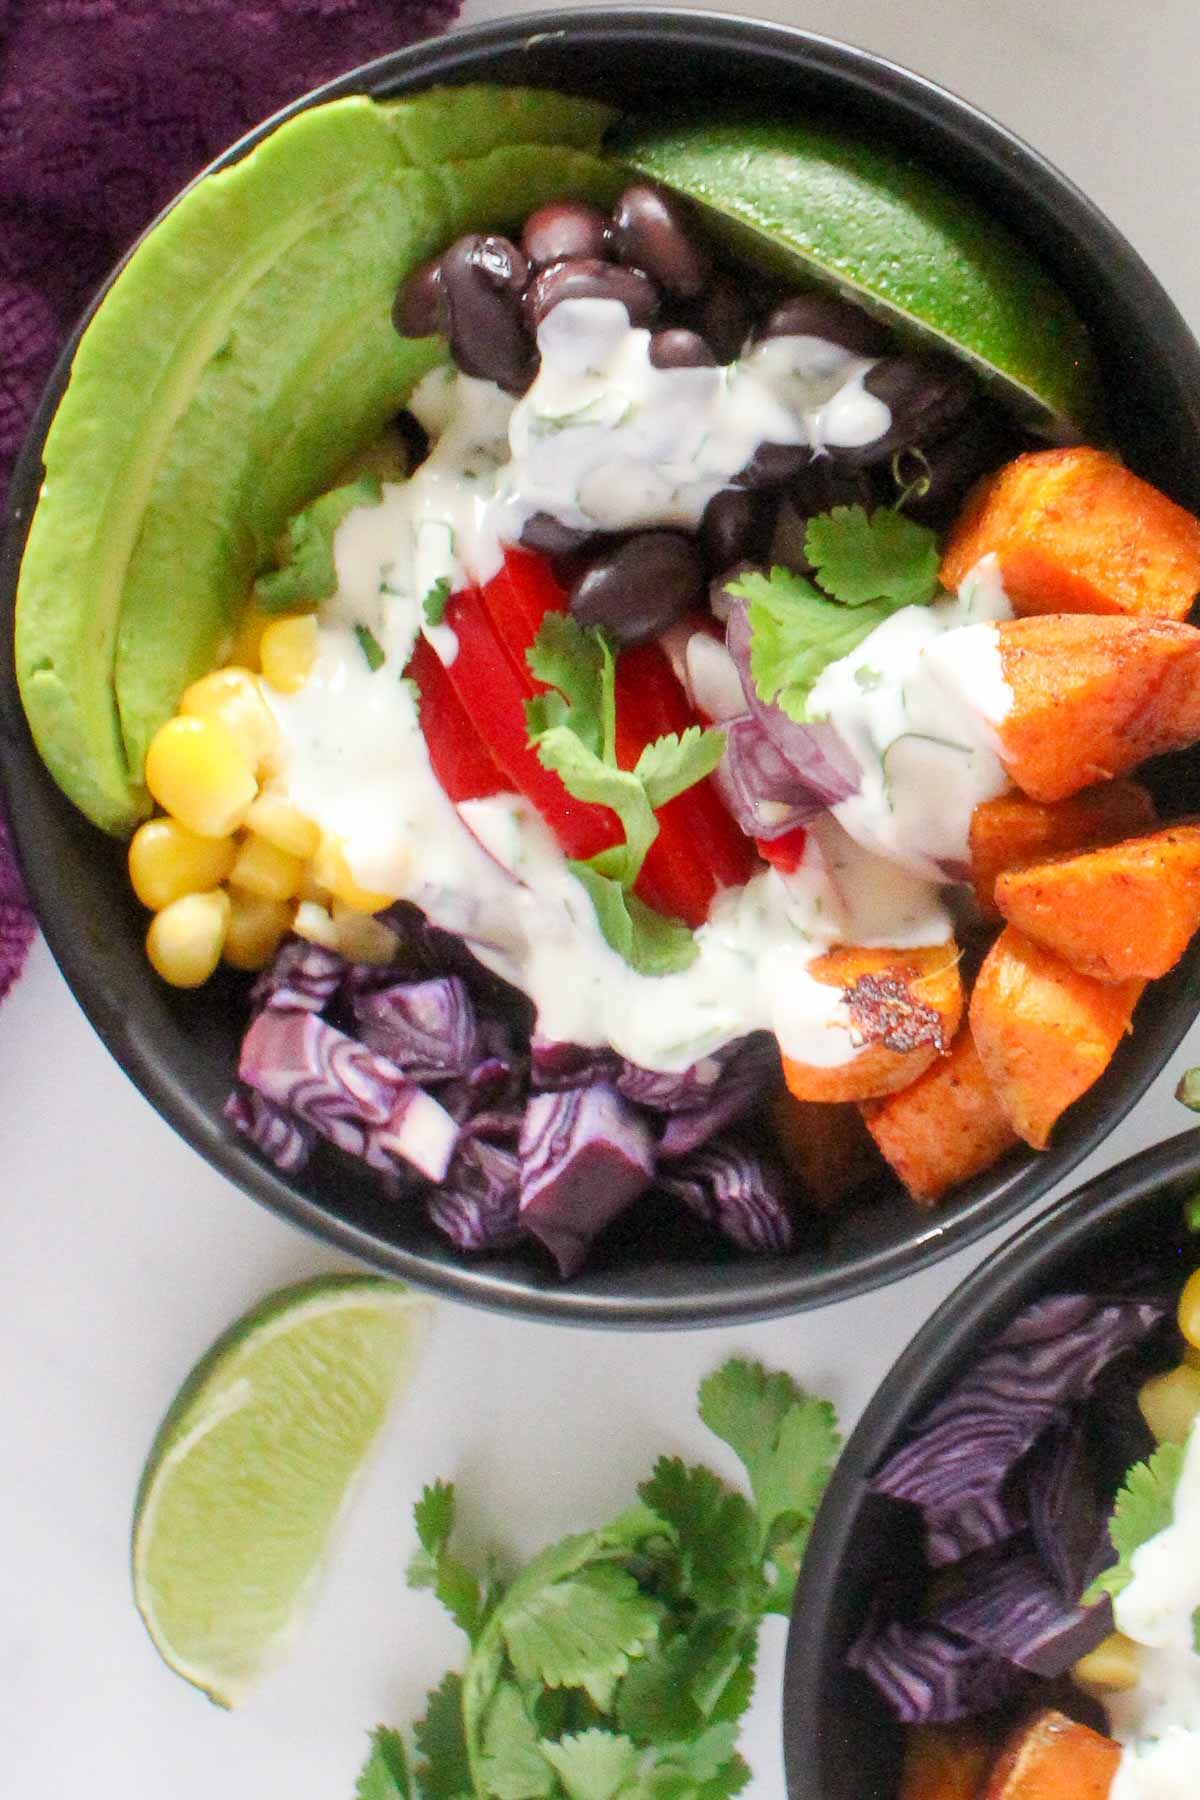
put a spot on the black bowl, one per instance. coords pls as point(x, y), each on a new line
point(649, 1271)
point(840, 1741)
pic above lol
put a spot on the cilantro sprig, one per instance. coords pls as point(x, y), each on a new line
point(617, 1664)
point(866, 567)
point(1143, 1508)
point(572, 726)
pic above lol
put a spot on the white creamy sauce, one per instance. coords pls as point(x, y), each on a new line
point(604, 438)
point(1158, 1721)
point(918, 703)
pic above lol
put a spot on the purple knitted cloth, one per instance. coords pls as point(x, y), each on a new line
point(107, 107)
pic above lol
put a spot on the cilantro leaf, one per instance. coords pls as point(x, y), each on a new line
point(673, 763)
point(580, 665)
point(581, 1631)
point(647, 940)
point(437, 598)
point(384, 1775)
point(703, 1675)
point(1143, 1507)
point(788, 1442)
point(593, 1765)
point(309, 573)
point(442, 1741)
point(795, 632)
point(860, 556)
point(371, 648)
point(512, 1765)
point(453, 1583)
point(715, 1529)
point(587, 777)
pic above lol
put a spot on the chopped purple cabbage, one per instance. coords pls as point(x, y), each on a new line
point(427, 1028)
point(283, 1139)
point(1062, 1496)
point(554, 1065)
point(929, 1676)
point(477, 1206)
point(585, 1155)
point(749, 1076)
point(303, 977)
point(1010, 1605)
point(736, 1190)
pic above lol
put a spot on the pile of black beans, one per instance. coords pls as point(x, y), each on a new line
point(488, 295)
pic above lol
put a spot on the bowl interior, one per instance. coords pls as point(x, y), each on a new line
point(652, 1268)
point(841, 1743)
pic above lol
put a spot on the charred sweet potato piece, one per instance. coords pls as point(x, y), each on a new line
point(904, 1007)
point(1044, 1032)
point(1074, 531)
point(1124, 910)
point(1092, 698)
point(1013, 830)
point(1052, 1757)
point(945, 1762)
point(826, 1147)
point(944, 1127)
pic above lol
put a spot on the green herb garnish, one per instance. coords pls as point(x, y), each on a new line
point(309, 573)
point(436, 600)
point(371, 647)
point(1144, 1506)
point(617, 1664)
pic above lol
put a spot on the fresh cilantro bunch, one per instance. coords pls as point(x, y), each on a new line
point(573, 729)
point(1144, 1506)
point(309, 573)
point(867, 566)
point(617, 1664)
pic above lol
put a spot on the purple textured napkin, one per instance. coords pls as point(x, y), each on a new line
point(107, 107)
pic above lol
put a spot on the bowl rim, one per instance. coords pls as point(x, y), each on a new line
point(979, 1306)
point(744, 1289)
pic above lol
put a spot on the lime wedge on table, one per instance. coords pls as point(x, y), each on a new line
point(863, 219)
point(251, 1467)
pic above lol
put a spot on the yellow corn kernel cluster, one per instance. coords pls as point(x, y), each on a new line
point(1112, 1665)
point(231, 866)
point(1170, 1403)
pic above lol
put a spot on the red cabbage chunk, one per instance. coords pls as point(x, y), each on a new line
point(478, 1205)
point(554, 1065)
point(739, 1192)
point(821, 759)
point(1067, 1517)
point(759, 786)
point(1009, 1604)
point(750, 1075)
point(585, 1155)
point(283, 1139)
point(427, 1028)
point(930, 1677)
point(357, 1099)
point(303, 977)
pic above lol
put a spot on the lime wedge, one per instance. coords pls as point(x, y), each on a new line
point(251, 1468)
point(865, 221)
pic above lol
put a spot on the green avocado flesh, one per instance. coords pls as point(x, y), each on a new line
point(244, 352)
point(852, 215)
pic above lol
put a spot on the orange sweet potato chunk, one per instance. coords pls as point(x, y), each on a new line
point(1044, 1032)
point(945, 1127)
point(945, 1762)
point(1074, 531)
point(1012, 830)
point(904, 1006)
point(826, 1147)
point(1052, 1757)
point(1092, 698)
point(1124, 910)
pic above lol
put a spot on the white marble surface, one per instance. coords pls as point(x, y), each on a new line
point(124, 1254)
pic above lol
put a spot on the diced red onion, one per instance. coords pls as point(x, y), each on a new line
point(759, 786)
point(585, 1155)
point(818, 755)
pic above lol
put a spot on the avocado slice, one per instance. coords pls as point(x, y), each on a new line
point(242, 354)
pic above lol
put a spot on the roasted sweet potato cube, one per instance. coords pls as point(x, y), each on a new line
point(1043, 1031)
point(944, 1127)
point(826, 1147)
point(1125, 910)
point(1074, 531)
point(903, 1008)
point(1052, 1757)
point(1092, 698)
point(945, 1762)
point(1013, 830)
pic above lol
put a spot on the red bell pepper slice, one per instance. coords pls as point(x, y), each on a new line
point(458, 754)
point(785, 852)
point(518, 597)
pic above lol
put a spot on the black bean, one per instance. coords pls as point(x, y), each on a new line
point(649, 233)
point(954, 463)
point(680, 349)
point(542, 531)
point(772, 465)
point(637, 589)
point(586, 278)
point(736, 527)
point(825, 316)
point(927, 397)
point(822, 483)
point(418, 309)
point(481, 282)
point(787, 541)
point(564, 230)
point(723, 319)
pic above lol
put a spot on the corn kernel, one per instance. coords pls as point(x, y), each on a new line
point(314, 890)
point(234, 698)
point(1189, 1309)
point(1113, 1664)
point(1169, 1403)
point(262, 868)
point(360, 938)
point(256, 928)
point(185, 939)
point(166, 861)
point(333, 872)
point(284, 825)
point(288, 651)
point(246, 648)
point(196, 772)
point(314, 923)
